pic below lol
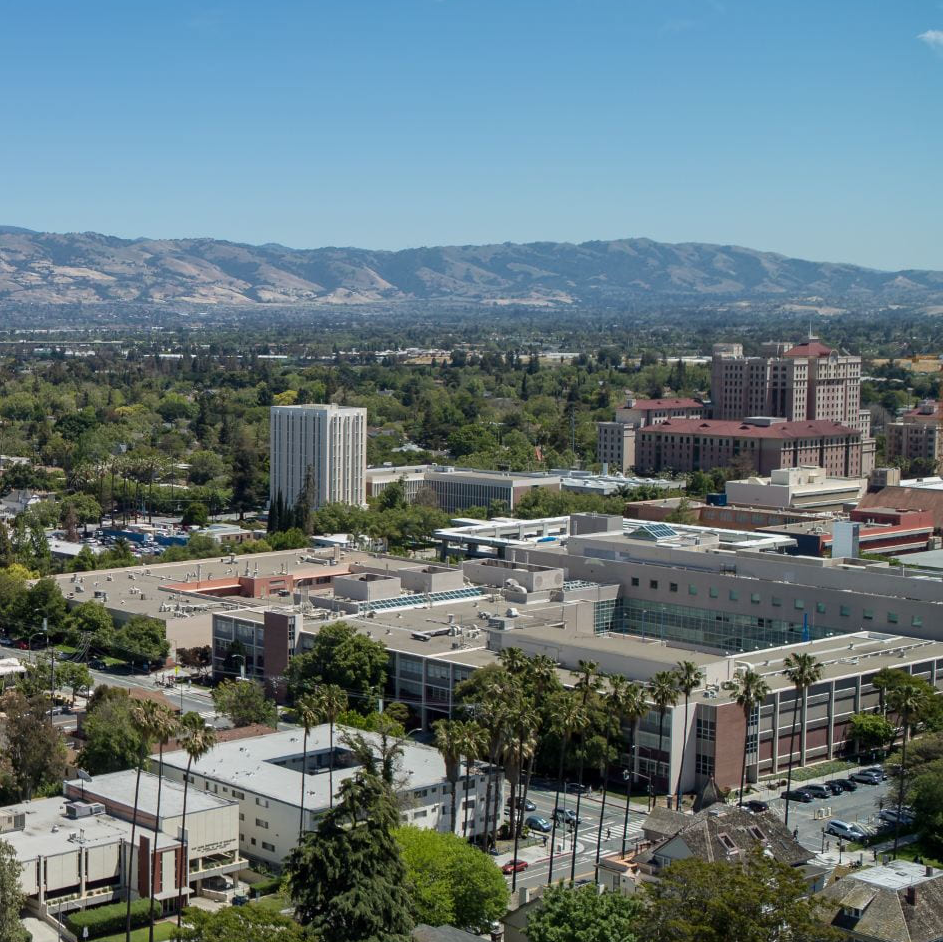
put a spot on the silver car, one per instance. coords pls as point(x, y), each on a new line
point(847, 832)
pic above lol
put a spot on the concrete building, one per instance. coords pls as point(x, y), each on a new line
point(76, 851)
point(761, 443)
point(805, 382)
point(615, 445)
point(915, 435)
point(899, 901)
point(264, 776)
point(328, 442)
point(797, 488)
point(642, 412)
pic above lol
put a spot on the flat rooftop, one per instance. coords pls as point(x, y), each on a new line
point(251, 765)
point(897, 875)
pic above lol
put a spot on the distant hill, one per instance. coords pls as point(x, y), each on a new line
point(50, 268)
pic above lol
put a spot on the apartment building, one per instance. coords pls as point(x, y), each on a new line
point(75, 851)
point(760, 443)
point(615, 445)
point(324, 443)
point(808, 381)
point(915, 434)
point(264, 777)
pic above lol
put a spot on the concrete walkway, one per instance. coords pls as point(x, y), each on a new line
point(41, 931)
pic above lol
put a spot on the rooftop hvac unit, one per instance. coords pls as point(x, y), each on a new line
point(83, 809)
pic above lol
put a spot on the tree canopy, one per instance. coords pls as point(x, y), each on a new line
point(583, 914)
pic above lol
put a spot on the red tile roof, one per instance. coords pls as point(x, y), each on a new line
point(733, 429)
point(667, 404)
point(810, 348)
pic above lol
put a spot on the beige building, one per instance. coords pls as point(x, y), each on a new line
point(916, 434)
point(327, 441)
point(615, 445)
point(802, 488)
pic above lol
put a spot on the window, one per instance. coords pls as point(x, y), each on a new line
point(259, 823)
point(704, 765)
point(799, 604)
point(867, 614)
point(733, 595)
point(754, 598)
point(726, 840)
point(653, 583)
point(705, 729)
point(777, 601)
point(635, 581)
point(263, 802)
point(820, 607)
point(267, 846)
point(712, 592)
point(692, 589)
point(672, 586)
point(242, 817)
point(844, 611)
point(892, 618)
point(252, 841)
point(916, 622)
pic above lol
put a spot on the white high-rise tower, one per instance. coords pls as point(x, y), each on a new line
point(329, 440)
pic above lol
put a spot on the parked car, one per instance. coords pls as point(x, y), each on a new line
point(817, 791)
point(240, 899)
point(847, 784)
point(756, 806)
point(834, 787)
point(515, 866)
point(797, 794)
point(890, 816)
point(536, 823)
point(566, 816)
point(6, 641)
point(576, 788)
point(847, 832)
point(866, 778)
point(877, 770)
point(97, 664)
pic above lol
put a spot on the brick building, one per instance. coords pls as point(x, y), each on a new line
point(914, 435)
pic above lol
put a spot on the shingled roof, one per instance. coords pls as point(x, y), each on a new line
point(904, 907)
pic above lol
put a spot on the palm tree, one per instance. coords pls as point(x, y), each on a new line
point(634, 708)
point(663, 690)
point(197, 739)
point(473, 740)
point(589, 684)
point(803, 670)
point(142, 715)
point(539, 679)
point(331, 703)
point(907, 700)
point(164, 727)
point(690, 677)
point(749, 691)
point(306, 712)
point(523, 746)
point(568, 715)
point(448, 741)
point(612, 706)
point(499, 716)
point(882, 681)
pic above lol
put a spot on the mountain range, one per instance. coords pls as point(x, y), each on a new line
point(52, 268)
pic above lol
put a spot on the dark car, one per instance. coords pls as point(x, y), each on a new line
point(566, 816)
point(6, 641)
point(756, 806)
point(847, 784)
point(97, 664)
point(817, 791)
point(797, 794)
point(526, 804)
point(537, 823)
point(834, 787)
point(577, 788)
point(240, 899)
point(515, 866)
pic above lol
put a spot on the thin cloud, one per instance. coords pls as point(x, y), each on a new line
point(933, 38)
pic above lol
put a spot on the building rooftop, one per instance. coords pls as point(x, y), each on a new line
point(254, 765)
point(809, 348)
point(775, 429)
point(663, 404)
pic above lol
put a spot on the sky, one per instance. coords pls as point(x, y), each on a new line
point(809, 127)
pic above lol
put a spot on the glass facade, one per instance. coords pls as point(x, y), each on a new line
point(724, 631)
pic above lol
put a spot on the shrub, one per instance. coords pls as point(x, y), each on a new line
point(267, 886)
point(110, 919)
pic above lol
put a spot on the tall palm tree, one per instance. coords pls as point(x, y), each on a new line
point(749, 690)
point(522, 747)
point(882, 681)
point(197, 739)
point(142, 717)
point(331, 703)
point(473, 741)
point(803, 670)
point(306, 712)
point(612, 707)
point(568, 715)
point(663, 690)
point(907, 700)
point(690, 677)
point(448, 741)
point(634, 708)
point(588, 686)
point(164, 727)
point(499, 697)
point(540, 678)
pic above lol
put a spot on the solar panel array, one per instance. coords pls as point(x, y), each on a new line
point(416, 600)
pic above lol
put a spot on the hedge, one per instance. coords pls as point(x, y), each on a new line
point(110, 919)
point(266, 886)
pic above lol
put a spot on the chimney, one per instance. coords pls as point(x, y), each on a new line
point(929, 871)
point(524, 895)
point(911, 896)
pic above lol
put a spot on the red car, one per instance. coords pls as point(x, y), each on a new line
point(515, 866)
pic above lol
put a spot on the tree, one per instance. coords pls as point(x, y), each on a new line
point(870, 731)
point(926, 798)
point(663, 690)
point(690, 677)
point(568, 715)
point(306, 713)
point(12, 899)
point(803, 670)
point(448, 742)
point(329, 702)
point(583, 914)
point(195, 515)
point(757, 900)
point(587, 686)
point(347, 879)
point(141, 639)
point(244, 702)
point(749, 690)
point(34, 748)
point(907, 701)
point(113, 741)
point(343, 656)
point(450, 882)
point(242, 923)
point(163, 728)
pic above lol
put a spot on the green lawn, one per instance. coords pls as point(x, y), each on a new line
point(276, 902)
point(918, 849)
point(162, 932)
point(113, 661)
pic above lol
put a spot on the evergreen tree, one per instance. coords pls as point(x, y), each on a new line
point(347, 879)
point(11, 898)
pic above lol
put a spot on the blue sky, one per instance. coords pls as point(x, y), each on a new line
point(810, 128)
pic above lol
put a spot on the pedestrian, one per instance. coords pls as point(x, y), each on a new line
point(795, 834)
point(608, 833)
